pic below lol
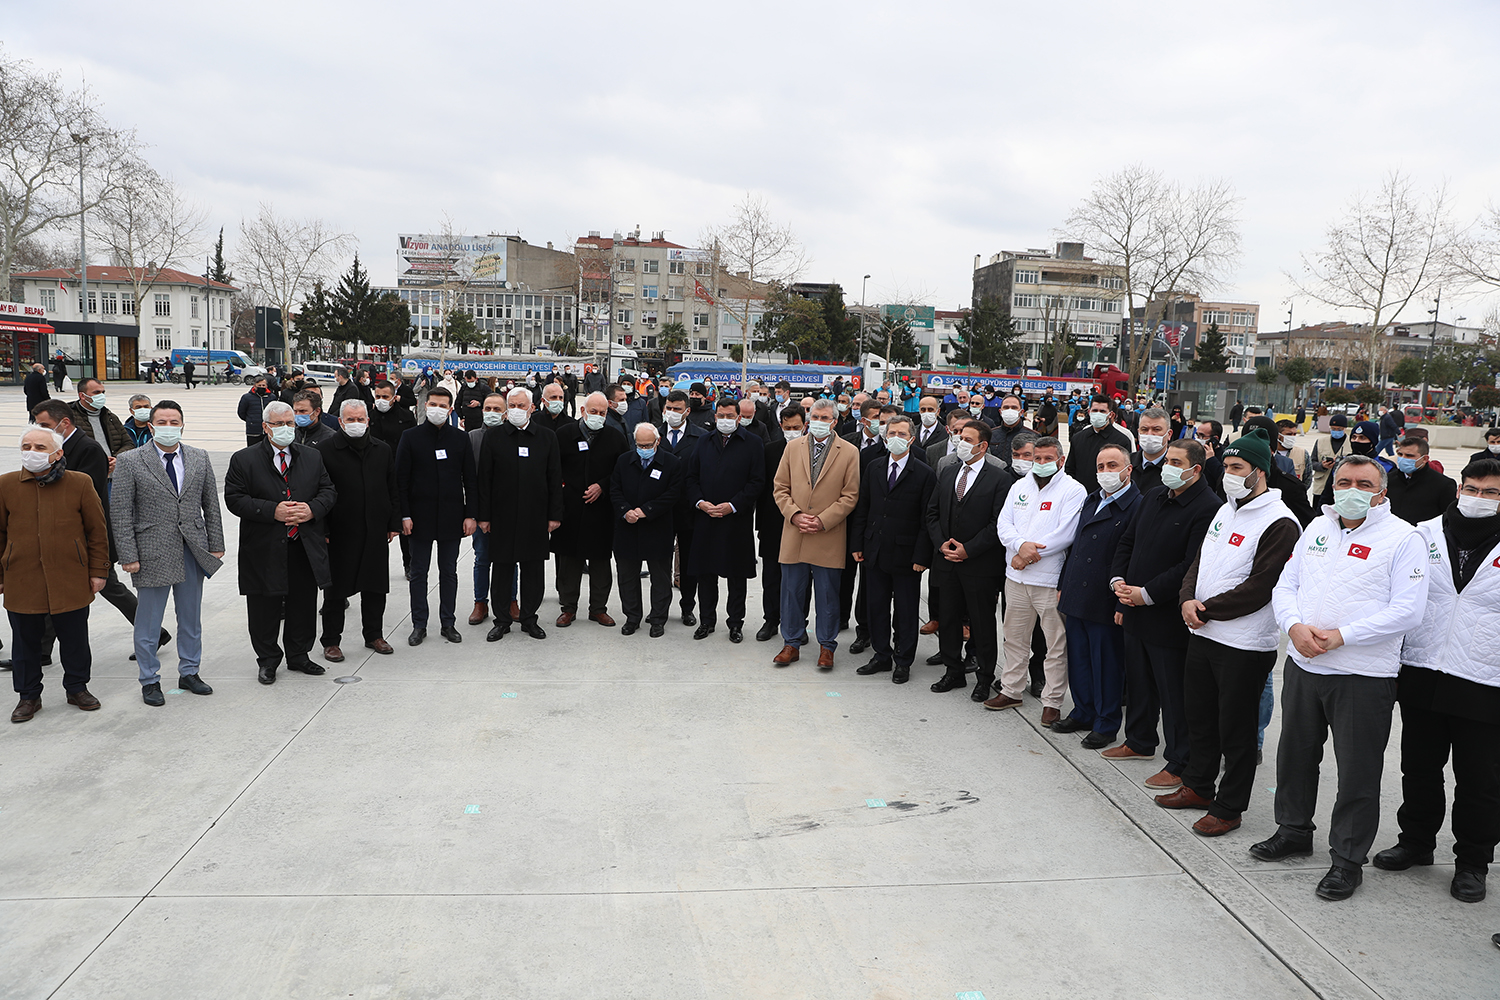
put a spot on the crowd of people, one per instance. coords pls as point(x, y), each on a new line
point(1146, 565)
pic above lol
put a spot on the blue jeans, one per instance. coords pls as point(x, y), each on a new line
point(188, 598)
point(1386, 446)
point(1267, 703)
point(825, 586)
point(482, 569)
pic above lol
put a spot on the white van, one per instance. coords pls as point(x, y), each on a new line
point(320, 372)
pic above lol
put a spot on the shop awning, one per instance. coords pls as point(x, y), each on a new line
point(11, 326)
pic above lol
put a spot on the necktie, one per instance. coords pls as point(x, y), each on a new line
point(892, 483)
point(674, 439)
point(291, 529)
point(963, 482)
point(172, 470)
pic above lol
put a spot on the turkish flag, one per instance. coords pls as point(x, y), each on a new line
point(699, 292)
point(1359, 551)
point(1236, 539)
point(1046, 506)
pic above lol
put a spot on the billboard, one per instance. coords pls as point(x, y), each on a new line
point(915, 317)
point(425, 259)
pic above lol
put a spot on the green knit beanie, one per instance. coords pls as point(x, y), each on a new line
point(1254, 446)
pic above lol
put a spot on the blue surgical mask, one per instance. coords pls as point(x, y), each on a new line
point(1406, 465)
point(493, 418)
point(647, 454)
point(1336, 434)
point(1044, 470)
point(303, 419)
point(282, 436)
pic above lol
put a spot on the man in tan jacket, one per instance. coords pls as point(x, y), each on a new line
point(816, 489)
point(56, 557)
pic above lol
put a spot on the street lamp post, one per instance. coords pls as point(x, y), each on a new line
point(83, 261)
point(862, 286)
point(1437, 303)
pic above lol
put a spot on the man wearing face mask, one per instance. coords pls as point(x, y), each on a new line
point(470, 402)
point(700, 413)
point(769, 523)
point(1291, 451)
point(551, 413)
point(871, 447)
point(1328, 447)
point(281, 493)
point(1363, 438)
point(635, 405)
point(1084, 445)
point(725, 475)
point(307, 407)
point(680, 436)
point(930, 429)
point(1449, 691)
point(361, 525)
point(494, 416)
point(1154, 431)
point(251, 408)
point(589, 450)
point(438, 504)
point(91, 416)
point(1357, 581)
point(520, 505)
point(138, 424)
point(848, 421)
point(1418, 492)
point(749, 423)
point(643, 494)
point(1279, 476)
point(170, 537)
point(616, 406)
point(1491, 447)
point(1009, 421)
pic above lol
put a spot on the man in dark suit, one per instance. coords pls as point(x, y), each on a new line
point(749, 420)
point(307, 409)
point(360, 528)
point(866, 437)
point(1091, 611)
point(435, 480)
point(643, 491)
point(551, 412)
point(520, 505)
point(588, 450)
point(725, 475)
point(769, 523)
point(967, 558)
point(889, 538)
point(680, 437)
point(700, 413)
point(1084, 445)
point(1154, 431)
point(388, 421)
point(281, 493)
point(931, 430)
point(470, 402)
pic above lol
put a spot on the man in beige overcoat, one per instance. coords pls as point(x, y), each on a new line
point(816, 489)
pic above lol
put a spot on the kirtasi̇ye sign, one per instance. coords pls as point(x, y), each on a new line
point(425, 259)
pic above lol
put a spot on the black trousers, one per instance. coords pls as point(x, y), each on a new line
point(708, 600)
point(528, 594)
point(421, 559)
point(903, 589)
point(629, 571)
point(371, 616)
point(687, 585)
point(770, 589)
point(852, 601)
point(1153, 687)
point(1427, 737)
point(26, 633)
point(1221, 695)
point(299, 607)
point(570, 582)
point(977, 599)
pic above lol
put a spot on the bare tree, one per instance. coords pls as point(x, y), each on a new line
point(1476, 250)
point(44, 129)
point(1388, 248)
point(1162, 239)
point(282, 258)
point(147, 226)
point(753, 245)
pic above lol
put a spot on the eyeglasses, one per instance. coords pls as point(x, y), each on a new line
point(1474, 491)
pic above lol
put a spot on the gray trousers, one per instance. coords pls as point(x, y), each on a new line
point(1358, 710)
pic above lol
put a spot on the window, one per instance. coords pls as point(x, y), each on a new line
point(1085, 305)
point(676, 267)
point(111, 303)
point(702, 268)
point(1020, 301)
point(48, 298)
point(649, 342)
point(1238, 340)
point(625, 264)
point(194, 341)
point(192, 307)
point(1028, 277)
point(623, 315)
point(650, 267)
point(93, 301)
point(1244, 319)
point(649, 318)
point(163, 339)
point(650, 292)
point(700, 320)
point(1218, 316)
point(703, 345)
point(163, 304)
point(1111, 282)
point(674, 292)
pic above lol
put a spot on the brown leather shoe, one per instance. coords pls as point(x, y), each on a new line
point(930, 628)
point(480, 613)
point(788, 654)
point(84, 700)
point(515, 611)
point(1050, 715)
point(25, 709)
point(1213, 826)
point(333, 654)
point(1164, 779)
point(603, 618)
point(1183, 798)
point(380, 646)
point(565, 619)
point(825, 658)
point(1123, 752)
point(1000, 702)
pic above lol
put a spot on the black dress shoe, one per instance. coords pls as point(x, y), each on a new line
point(875, 666)
point(165, 638)
point(935, 660)
point(901, 675)
point(860, 644)
point(1468, 885)
point(657, 631)
point(1035, 689)
point(948, 682)
point(689, 619)
point(1093, 741)
point(151, 695)
point(736, 635)
point(450, 633)
point(194, 684)
point(1279, 846)
point(703, 632)
point(416, 637)
point(534, 630)
point(1068, 724)
point(981, 690)
point(1398, 858)
point(630, 628)
point(767, 632)
point(496, 633)
point(310, 668)
point(1340, 883)
point(266, 675)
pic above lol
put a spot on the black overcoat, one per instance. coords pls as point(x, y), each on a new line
point(587, 528)
point(655, 491)
point(721, 471)
point(364, 474)
point(520, 490)
point(769, 520)
point(252, 489)
point(1084, 584)
point(435, 481)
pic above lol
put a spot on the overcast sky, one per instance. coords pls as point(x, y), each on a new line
point(898, 139)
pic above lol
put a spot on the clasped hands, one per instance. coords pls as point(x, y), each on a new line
point(811, 524)
point(1028, 553)
point(1312, 642)
point(716, 509)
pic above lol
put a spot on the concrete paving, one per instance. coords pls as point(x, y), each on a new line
point(632, 817)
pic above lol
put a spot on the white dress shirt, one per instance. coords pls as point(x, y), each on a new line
point(177, 463)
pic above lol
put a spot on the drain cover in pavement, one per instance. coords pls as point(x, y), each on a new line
point(351, 679)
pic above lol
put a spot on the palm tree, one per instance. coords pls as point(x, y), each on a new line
point(673, 337)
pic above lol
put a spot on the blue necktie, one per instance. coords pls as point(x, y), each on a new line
point(172, 471)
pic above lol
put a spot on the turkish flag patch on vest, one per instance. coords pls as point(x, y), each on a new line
point(1236, 539)
point(1359, 551)
point(1046, 506)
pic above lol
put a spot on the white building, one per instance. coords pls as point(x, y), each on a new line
point(629, 288)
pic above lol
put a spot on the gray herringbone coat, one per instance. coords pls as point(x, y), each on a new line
point(151, 521)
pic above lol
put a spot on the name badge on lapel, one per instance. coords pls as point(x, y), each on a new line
point(442, 453)
point(655, 473)
point(583, 446)
point(524, 452)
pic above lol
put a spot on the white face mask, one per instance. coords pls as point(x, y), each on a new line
point(1352, 503)
point(593, 421)
point(976, 408)
point(1011, 417)
point(1110, 482)
point(437, 415)
point(622, 407)
point(383, 405)
point(1152, 444)
point(167, 436)
point(493, 418)
point(554, 406)
point(1494, 448)
point(820, 429)
point(726, 425)
point(1477, 506)
point(964, 450)
point(283, 436)
point(792, 435)
point(1044, 470)
point(1098, 420)
point(1174, 478)
point(1021, 466)
point(142, 414)
point(35, 461)
point(674, 419)
point(746, 421)
point(897, 445)
point(1236, 488)
point(843, 407)
point(355, 431)
point(517, 416)
point(929, 419)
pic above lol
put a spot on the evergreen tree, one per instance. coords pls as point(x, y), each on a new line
point(842, 329)
point(463, 332)
point(1212, 352)
point(987, 339)
point(220, 269)
point(315, 323)
point(353, 302)
point(389, 323)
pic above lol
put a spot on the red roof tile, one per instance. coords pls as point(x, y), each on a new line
point(105, 273)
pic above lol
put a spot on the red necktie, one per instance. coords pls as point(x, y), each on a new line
point(291, 529)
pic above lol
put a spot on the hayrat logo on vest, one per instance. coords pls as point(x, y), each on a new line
point(1359, 551)
point(1236, 539)
point(1432, 552)
point(1319, 547)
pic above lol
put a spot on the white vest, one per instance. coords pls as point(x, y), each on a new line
point(1460, 633)
point(1037, 512)
point(1224, 562)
